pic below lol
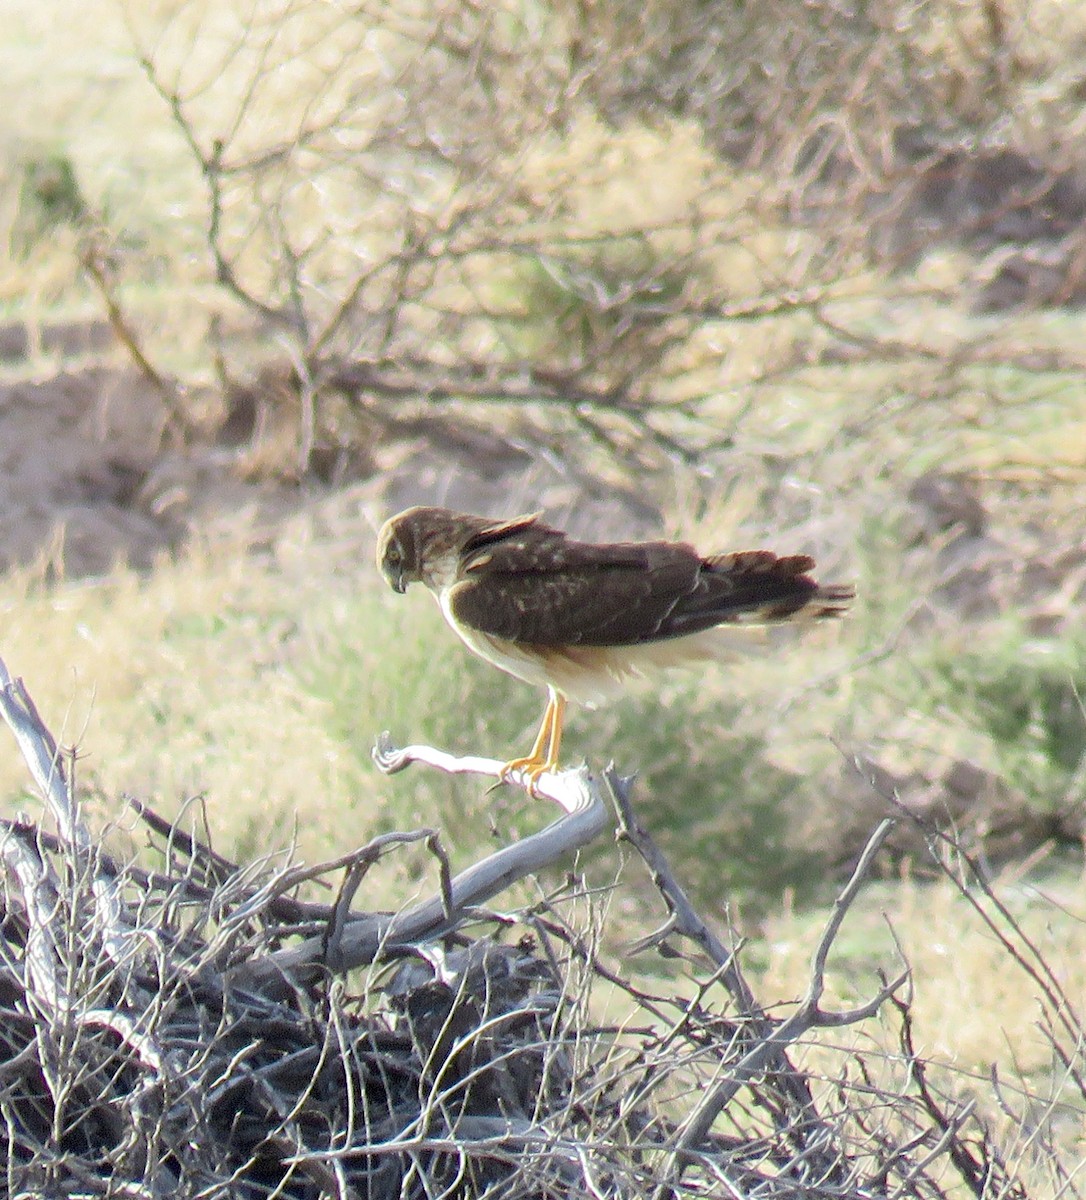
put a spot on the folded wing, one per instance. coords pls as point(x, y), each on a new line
point(536, 587)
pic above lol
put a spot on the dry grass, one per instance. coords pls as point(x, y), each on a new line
point(261, 684)
point(179, 685)
point(972, 1007)
point(977, 1014)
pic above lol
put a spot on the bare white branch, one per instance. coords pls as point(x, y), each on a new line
point(586, 817)
point(42, 757)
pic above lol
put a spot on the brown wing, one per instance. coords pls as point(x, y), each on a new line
point(539, 588)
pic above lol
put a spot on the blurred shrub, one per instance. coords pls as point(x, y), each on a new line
point(1027, 698)
point(49, 197)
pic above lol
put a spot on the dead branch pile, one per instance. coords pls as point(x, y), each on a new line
point(198, 1030)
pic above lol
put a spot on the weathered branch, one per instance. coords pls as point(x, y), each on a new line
point(169, 391)
point(43, 975)
point(42, 756)
point(361, 939)
point(683, 918)
point(769, 1041)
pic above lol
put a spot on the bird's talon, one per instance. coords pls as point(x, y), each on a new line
point(530, 770)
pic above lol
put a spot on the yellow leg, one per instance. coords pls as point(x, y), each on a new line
point(544, 754)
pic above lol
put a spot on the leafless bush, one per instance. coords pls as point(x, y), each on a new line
point(627, 223)
point(191, 1030)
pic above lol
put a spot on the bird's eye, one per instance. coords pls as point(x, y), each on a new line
point(393, 556)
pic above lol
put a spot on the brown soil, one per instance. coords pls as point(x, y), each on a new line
point(87, 479)
point(86, 482)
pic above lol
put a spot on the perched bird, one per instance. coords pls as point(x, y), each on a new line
point(578, 617)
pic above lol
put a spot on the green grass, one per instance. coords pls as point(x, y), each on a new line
point(262, 686)
point(1024, 696)
point(707, 784)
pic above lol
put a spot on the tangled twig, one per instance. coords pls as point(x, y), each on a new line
point(196, 1031)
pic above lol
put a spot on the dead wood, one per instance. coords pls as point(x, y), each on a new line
point(200, 1029)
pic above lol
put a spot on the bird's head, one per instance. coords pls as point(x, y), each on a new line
point(422, 545)
point(427, 545)
point(399, 552)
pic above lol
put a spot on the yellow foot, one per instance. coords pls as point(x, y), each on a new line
point(532, 769)
point(544, 754)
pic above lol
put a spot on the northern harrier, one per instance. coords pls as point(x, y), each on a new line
point(578, 617)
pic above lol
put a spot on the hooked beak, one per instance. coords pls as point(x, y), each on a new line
point(399, 584)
